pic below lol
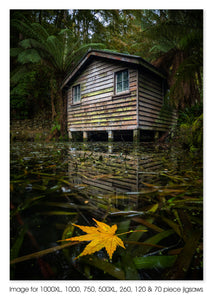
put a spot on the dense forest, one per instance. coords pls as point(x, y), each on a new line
point(45, 45)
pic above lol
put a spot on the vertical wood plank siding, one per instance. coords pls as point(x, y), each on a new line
point(100, 108)
point(152, 116)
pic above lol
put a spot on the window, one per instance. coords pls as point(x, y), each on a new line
point(76, 94)
point(122, 81)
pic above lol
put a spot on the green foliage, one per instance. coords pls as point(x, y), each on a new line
point(58, 53)
point(29, 56)
point(176, 46)
point(190, 129)
point(56, 126)
point(28, 91)
point(189, 114)
point(19, 95)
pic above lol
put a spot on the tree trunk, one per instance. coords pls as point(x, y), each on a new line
point(40, 16)
point(63, 113)
point(52, 96)
point(53, 106)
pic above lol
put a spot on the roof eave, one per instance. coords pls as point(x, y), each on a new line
point(137, 60)
point(76, 69)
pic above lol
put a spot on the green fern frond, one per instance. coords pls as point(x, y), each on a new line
point(29, 56)
point(18, 74)
point(15, 52)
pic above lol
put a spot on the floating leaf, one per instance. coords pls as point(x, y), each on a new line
point(102, 236)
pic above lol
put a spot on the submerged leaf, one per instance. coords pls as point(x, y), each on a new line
point(40, 253)
point(185, 257)
point(57, 213)
point(153, 208)
point(18, 243)
point(155, 239)
point(102, 236)
point(147, 224)
point(105, 266)
point(150, 262)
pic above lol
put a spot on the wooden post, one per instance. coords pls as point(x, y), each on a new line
point(136, 135)
point(156, 135)
point(70, 135)
point(110, 136)
point(85, 136)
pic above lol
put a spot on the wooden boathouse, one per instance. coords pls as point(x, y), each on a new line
point(109, 92)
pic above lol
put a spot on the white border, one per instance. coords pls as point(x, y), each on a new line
point(208, 137)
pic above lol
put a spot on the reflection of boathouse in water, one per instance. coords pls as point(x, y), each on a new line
point(118, 179)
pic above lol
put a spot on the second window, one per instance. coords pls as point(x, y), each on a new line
point(122, 81)
point(76, 94)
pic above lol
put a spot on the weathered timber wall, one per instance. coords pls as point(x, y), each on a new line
point(151, 113)
point(100, 108)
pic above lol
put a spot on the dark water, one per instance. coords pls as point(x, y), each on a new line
point(144, 187)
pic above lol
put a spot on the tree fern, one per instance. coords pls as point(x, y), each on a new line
point(58, 52)
point(29, 56)
point(177, 48)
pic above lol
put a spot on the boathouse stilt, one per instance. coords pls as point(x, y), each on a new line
point(157, 135)
point(136, 135)
point(110, 136)
point(70, 135)
point(85, 136)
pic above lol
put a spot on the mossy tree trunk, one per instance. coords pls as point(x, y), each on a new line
point(62, 113)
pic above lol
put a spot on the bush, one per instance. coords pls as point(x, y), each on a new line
point(191, 134)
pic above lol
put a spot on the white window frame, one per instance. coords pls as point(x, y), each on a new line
point(123, 89)
point(76, 98)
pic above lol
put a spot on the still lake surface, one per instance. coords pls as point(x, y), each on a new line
point(138, 187)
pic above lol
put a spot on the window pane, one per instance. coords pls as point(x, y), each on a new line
point(119, 87)
point(76, 93)
point(119, 77)
point(122, 81)
point(125, 85)
point(125, 75)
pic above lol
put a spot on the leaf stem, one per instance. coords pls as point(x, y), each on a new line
point(131, 231)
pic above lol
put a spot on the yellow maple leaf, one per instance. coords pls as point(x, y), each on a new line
point(101, 236)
